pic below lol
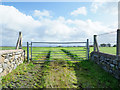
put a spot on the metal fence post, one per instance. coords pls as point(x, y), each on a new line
point(31, 51)
point(28, 51)
point(118, 42)
point(88, 49)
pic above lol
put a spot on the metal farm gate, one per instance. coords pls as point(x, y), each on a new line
point(52, 51)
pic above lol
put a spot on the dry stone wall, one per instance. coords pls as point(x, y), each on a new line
point(110, 63)
point(9, 60)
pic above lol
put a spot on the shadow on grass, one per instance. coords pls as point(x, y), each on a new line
point(47, 58)
point(90, 75)
point(44, 70)
point(71, 55)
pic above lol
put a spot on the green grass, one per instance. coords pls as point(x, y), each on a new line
point(7, 48)
point(89, 75)
point(60, 73)
point(56, 52)
point(110, 50)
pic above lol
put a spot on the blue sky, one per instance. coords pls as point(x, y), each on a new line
point(64, 9)
point(73, 21)
point(57, 9)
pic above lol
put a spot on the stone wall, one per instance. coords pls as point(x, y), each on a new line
point(9, 60)
point(110, 63)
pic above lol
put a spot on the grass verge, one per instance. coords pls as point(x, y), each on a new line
point(59, 74)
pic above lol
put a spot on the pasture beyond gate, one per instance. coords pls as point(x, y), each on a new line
point(52, 51)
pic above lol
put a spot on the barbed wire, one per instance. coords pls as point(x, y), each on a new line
point(106, 33)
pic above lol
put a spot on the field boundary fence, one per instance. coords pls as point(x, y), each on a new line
point(109, 62)
point(112, 43)
point(52, 51)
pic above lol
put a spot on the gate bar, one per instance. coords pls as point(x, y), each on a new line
point(56, 50)
point(54, 60)
point(31, 51)
point(59, 42)
point(28, 51)
point(88, 49)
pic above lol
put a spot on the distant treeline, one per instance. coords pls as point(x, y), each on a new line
point(105, 45)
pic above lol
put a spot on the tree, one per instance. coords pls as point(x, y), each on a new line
point(91, 46)
point(114, 45)
point(103, 45)
point(108, 45)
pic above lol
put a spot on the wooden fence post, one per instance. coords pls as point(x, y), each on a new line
point(96, 47)
point(118, 43)
point(19, 41)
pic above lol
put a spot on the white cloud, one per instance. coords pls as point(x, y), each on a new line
point(81, 10)
point(105, 0)
point(13, 21)
point(113, 9)
point(89, 27)
point(106, 7)
point(41, 14)
point(95, 6)
point(47, 29)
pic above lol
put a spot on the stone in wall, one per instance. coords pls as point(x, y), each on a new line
point(9, 60)
point(110, 63)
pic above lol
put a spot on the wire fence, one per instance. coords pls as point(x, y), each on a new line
point(107, 42)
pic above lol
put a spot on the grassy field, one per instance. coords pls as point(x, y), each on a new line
point(110, 50)
point(60, 73)
point(57, 52)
